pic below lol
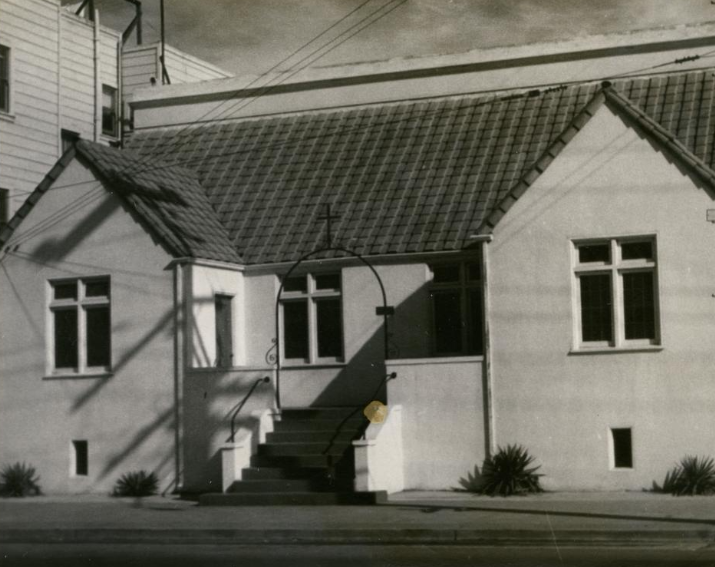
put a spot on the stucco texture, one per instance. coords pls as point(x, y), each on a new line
point(610, 181)
point(80, 229)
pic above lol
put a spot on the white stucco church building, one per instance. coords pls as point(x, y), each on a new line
point(540, 221)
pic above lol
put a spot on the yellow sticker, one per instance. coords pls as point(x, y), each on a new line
point(376, 412)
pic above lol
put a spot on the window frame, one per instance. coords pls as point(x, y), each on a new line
point(81, 305)
point(5, 215)
point(114, 92)
point(616, 267)
point(312, 296)
point(8, 80)
point(464, 285)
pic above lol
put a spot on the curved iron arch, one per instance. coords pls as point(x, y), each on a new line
point(280, 292)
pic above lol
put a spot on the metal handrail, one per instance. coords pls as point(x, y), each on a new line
point(263, 380)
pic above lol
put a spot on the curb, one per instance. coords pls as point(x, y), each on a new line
point(409, 536)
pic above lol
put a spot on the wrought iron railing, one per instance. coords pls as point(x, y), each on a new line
point(239, 407)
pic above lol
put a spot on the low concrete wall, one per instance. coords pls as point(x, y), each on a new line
point(442, 418)
point(379, 458)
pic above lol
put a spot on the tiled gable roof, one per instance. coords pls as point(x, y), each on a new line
point(169, 199)
point(401, 178)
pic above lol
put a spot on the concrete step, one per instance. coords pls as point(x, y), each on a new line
point(300, 461)
point(315, 484)
point(327, 425)
point(293, 499)
point(300, 449)
point(312, 436)
point(337, 413)
point(278, 473)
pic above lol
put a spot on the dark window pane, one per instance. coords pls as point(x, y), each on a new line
point(330, 328)
point(474, 272)
point(295, 323)
point(65, 290)
point(109, 110)
point(296, 284)
point(446, 273)
point(622, 448)
point(447, 322)
point(4, 78)
point(4, 206)
point(81, 458)
point(637, 250)
point(596, 308)
point(594, 253)
point(224, 330)
point(98, 336)
point(327, 281)
point(66, 338)
point(476, 325)
point(639, 305)
point(97, 288)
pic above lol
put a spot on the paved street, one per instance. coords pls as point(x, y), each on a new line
point(60, 555)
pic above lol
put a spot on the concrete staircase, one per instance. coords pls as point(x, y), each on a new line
point(307, 460)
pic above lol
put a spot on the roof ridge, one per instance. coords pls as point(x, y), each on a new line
point(664, 137)
point(543, 162)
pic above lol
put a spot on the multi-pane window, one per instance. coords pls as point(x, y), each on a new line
point(109, 110)
point(457, 311)
point(312, 316)
point(616, 282)
point(80, 320)
point(4, 78)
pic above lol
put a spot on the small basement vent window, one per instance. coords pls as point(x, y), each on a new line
point(622, 444)
point(80, 458)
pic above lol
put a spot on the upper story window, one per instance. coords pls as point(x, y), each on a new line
point(4, 78)
point(457, 311)
point(4, 207)
point(616, 293)
point(80, 323)
point(312, 318)
point(109, 110)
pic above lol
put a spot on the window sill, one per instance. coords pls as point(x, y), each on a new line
point(78, 376)
point(457, 359)
point(313, 366)
point(616, 350)
point(6, 116)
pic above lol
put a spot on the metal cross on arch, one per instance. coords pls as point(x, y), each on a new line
point(383, 310)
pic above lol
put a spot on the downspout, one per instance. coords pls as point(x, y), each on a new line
point(97, 81)
point(489, 424)
point(120, 90)
point(179, 367)
point(59, 80)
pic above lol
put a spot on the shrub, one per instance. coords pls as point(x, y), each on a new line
point(693, 475)
point(508, 472)
point(136, 483)
point(19, 480)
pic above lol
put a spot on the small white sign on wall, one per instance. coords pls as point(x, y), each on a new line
point(711, 215)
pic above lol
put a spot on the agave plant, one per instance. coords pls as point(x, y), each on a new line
point(19, 480)
point(693, 475)
point(509, 472)
point(137, 484)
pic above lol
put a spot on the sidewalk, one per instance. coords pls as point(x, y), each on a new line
point(631, 519)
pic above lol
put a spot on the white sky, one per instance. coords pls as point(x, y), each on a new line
point(250, 36)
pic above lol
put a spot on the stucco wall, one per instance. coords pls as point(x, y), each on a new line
point(204, 283)
point(355, 380)
point(607, 182)
point(443, 433)
point(127, 417)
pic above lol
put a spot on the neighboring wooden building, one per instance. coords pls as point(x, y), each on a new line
point(544, 250)
point(60, 82)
